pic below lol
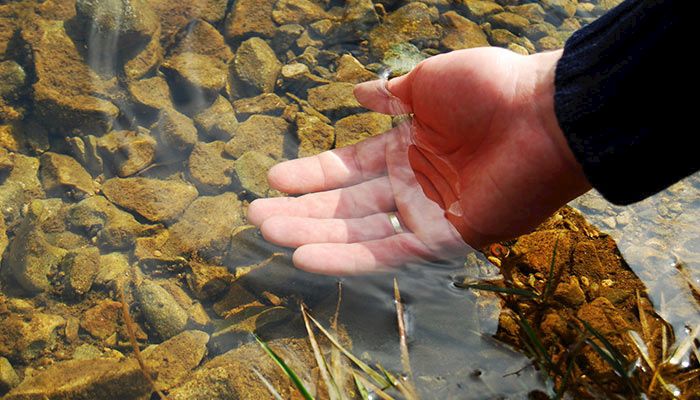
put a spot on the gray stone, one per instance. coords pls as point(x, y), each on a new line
point(164, 316)
point(154, 199)
point(114, 271)
point(255, 68)
point(217, 121)
point(210, 169)
point(263, 133)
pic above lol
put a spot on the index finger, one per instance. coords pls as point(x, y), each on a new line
point(333, 169)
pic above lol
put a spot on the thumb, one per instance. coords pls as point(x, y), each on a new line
point(387, 97)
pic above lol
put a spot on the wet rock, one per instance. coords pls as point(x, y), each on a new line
point(128, 151)
point(154, 199)
point(504, 37)
point(231, 376)
point(510, 21)
point(176, 357)
point(202, 38)
point(12, 81)
point(25, 339)
point(335, 100)
point(113, 228)
point(8, 376)
point(131, 23)
point(208, 281)
point(175, 131)
point(251, 170)
point(203, 232)
point(86, 352)
point(401, 58)
point(559, 9)
point(240, 323)
point(255, 68)
point(262, 133)
point(102, 320)
point(84, 149)
point(315, 136)
point(62, 175)
point(285, 37)
point(298, 79)
point(532, 11)
point(196, 314)
point(85, 379)
point(217, 121)
point(352, 71)
point(248, 248)
point(266, 103)
point(114, 271)
point(355, 128)
point(359, 17)
point(461, 33)
point(410, 23)
point(145, 61)
point(536, 250)
point(237, 299)
point(4, 241)
point(211, 170)
point(30, 257)
point(11, 137)
point(65, 86)
point(80, 267)
point(174, 17)
point(516, 48)
point(570, 25)
point(195, 74)
point(540, 30)
point(164, 316)
point(549, 43)
point(480, 9)
point(570, 293)
point(152, 94)
point(300, 12)
point(248, 18)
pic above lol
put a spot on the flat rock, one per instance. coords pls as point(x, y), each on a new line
point(145, 61)
point(8, 376)
point(532, 11)
point(202, 38)
point(315, 136)
point(300, 12)
point(84, 149)
point(175, 130)
point(85, 380)
point(263, 133)
point(248, 18)
point(218, 121)
point(251, 170)
point(510, 21)
point(65, 86)
point(114, 228)
point(174, 17)
point(114, 271)
point(335, 100)
point(208, 281)
point(297, 78)
point(128, 151)
point(461, 33)
point(356, 128)
point(176, 357)
point(401, 58)
point(80, 267)
point(164, 316)
point(194, 73)
point(102, 320)
point(410, 23)
point(154, 199)
point(350, 70)
point(479, 9)
point(153, 94)
point(560, 9)
point(25, 339)
point(266, 103)
point(62, 175)
point(210, 168)
point(255, 68)
point(359, 17)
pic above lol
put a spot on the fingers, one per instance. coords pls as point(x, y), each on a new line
point(367, 198)
point(333, 169)
point(379, 95)
point(299, 231)
point(358, 258)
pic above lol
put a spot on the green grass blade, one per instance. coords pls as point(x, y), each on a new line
point(364, 395)
point(550, 277)
point(381, 381)
point(537, 345)
point(286, 369)
point(619, 358)
point(498, 289)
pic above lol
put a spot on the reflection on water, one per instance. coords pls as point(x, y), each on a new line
point(133, 134)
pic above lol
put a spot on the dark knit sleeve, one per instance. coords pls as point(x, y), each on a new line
point(626, 97)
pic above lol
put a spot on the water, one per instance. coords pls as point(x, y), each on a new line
point(101, 82)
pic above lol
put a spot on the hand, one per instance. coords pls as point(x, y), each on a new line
point(489, 149)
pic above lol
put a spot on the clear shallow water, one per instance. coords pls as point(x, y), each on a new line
point(452, 353)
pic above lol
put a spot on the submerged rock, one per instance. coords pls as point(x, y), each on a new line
point(175, 16)
point(195, 74)
point(84, 149)
point(152, 94)
point(300, 12)
point(163, 315)
point(20, 187)
point(461, 33)
point(154, 199)
point(128, 151)
point(85, 379)
point(218, 121)
point(176, 357)
point(510, 21)
point(355, 128)
point(211, 170)
point(202, 38)
point(410, 23)
point(8, 376)
point(401, 58)
point(315, 136)
point(114, 271)
point(25, 339)
point(62, 175)
point(208, 281)
point(175, 131)
point(349, 69)
point(102, 320)
point(12, 81)
point(262, 133)
point(479, 9)
point(251, 170)
point(335, 100)
point(248, 18)
point(80, 267)
point(145, 61)
point(255, 68)
point(359, 17)
point(266, 103)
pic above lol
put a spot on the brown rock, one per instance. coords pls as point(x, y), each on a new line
point(510, 21)
point(176, 357)
point(355, 128)
point(114, 272)
point(145, 61)
point(535, 250)
point(163, 314)
point(61, 174)
point(570, 293)
point(210, 169)
point(27, 338)
point(335, 100)
point(196, 74)
point(532, 11)
point(251, 170)
point(217, 121)
point(266, 103)
point(85, 379)
point(153, 94)
point(175, 131)
point(352, 71)
point(80, 267)
point(175, 16)
point(153, 199)
point(129, 151)
point(255, 68)
point(300, 12)
point(410, 23)
point(102, 320)
point(359, 17)
point(479, 9)
point(461, 33)
point(8, 376)
point(208, 281)
point(298, 79)
point(248, 18)
point(262, 133)
point(315, 136)
point(202, 38)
